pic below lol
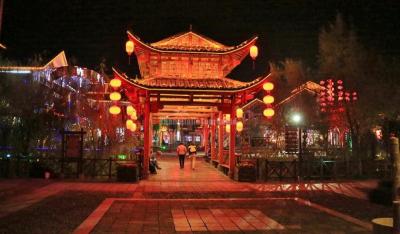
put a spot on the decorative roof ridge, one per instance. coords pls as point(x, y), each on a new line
point(249, 104)
point(226, 79)
point(244, 86)
point(309, 85)
point(181, 34)
point(194, 49)
point(300, 89)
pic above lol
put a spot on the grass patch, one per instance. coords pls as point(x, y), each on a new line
point(60, 213)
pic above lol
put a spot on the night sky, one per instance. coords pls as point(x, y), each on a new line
point(90, 30)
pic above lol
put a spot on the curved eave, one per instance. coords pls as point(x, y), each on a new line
point(257, 85)
point(243, 45)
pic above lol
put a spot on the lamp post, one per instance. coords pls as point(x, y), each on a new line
point(297, 118)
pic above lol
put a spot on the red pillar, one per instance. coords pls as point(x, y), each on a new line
point(213, 128)
point(232, 157)
point(221, 138)
point(146, 140)
point(205, 136)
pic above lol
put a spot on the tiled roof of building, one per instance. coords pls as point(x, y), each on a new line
point(191, 42)
point(205, 83)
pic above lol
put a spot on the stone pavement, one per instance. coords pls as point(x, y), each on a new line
point(22, 201)
point(175, 200)
point(237, 215)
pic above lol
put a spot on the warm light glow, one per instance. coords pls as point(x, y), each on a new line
point(130, 110)
point(129, 124)
point(239, 113)
point(133, 127)
point(115, 96)
point(253, 52)
point(268, 99)
point(114, 110)
point(227, 117)
point(228, 128)
point(296, 118)
point(134, 116)
point(239, 126)
point(269, 112)
point(268, 86)
point(129, 47)
point(115, 83)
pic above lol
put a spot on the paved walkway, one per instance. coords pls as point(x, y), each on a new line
point(177, 199)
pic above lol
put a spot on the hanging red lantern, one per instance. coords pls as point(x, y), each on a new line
point(268, 86)
point(253, 52)
point(239, 113)
point(129, 124)
point(114, 110)
point(268, 99)
point(269, 112)
point(115, 83)
point(115, 96)
point(133, 127)
point(129, 47)
point(130, 110)
point(239, 126)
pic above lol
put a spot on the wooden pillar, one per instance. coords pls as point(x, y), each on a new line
point(221, 138)
point(232, 134)
point(213, 128)
point(146, 140)
point(205, 137)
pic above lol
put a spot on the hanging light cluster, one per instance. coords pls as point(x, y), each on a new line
point(239, 116)
point(333, 95)
point(115, 96)
point(131, 112)
point(268, 100)
point(227, 123)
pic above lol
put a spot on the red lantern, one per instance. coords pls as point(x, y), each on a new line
point(253, 52)
point(129, 47)
point(269, 112)
point(268, 86)
point(268, 99)
point(115, 83)
point(114, 110)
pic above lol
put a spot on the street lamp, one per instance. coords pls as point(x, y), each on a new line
point(297, 119)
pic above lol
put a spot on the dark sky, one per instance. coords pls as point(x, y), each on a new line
point(89, 30)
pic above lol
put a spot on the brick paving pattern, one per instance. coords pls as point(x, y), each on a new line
point(176, 216)
point(203, 200)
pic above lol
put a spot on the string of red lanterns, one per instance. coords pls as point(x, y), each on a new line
point(333, 95)
point(268, 100)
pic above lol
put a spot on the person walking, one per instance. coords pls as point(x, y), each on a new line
point(181, 151)
point(192, 154)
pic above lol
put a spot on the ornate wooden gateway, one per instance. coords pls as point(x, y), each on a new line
point(185, 77)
